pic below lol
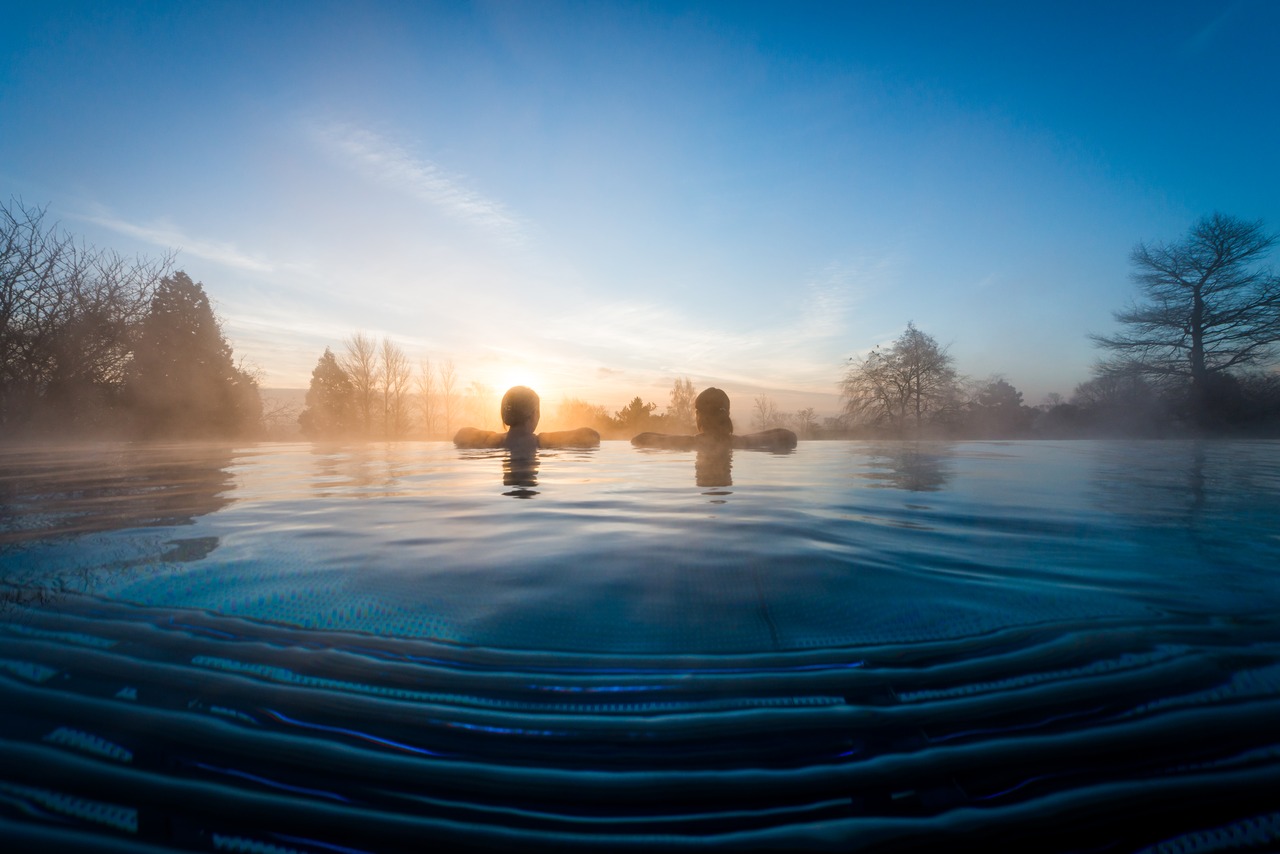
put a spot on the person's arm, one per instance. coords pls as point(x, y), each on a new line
point(583, 437)
point(470, 437)
point(663, 440)
point(776, 439)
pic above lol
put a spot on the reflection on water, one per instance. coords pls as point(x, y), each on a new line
point(912, 466)
point(1028, 518)
point(1213, 503)
point(361, 470)
point(714, 467)
point(104, 488)
point(1182, 483)
point(1068, 646)
point(51, 499)
point(520, 471)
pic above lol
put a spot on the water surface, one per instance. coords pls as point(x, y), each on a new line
point(855, 645)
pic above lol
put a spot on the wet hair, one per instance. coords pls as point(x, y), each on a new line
point(712, 411)
point(519, 405)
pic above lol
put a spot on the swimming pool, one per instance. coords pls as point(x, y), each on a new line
point(875, 646)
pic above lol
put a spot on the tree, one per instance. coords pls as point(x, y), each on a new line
point(394, 375)
point(426, 398)
point(481, 405)
point(806, 422)
point(184, 380)
point(636, 417)
point(902, 387)
point(680, 412)
point(69, 316)
point(997, 410)
point(1209, 309)
point(330, 400)
point(280, 418)
point(1119, 403)
point(448, 397)
point(572, 413)
point(767, 415)
point(360, 361)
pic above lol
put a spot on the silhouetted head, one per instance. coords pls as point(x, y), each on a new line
point(521, 407)
point(712, 412)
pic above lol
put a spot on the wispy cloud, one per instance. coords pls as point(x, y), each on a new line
point(169, 236)
point(793, 347)
point(400, 169)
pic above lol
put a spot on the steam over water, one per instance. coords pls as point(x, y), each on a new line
point(854, 646)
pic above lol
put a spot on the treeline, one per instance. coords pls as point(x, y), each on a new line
point(1196, 355)
point(95, 343)
point(370, 389)
point(911, 389)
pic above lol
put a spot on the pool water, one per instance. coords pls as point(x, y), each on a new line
point(855, 646)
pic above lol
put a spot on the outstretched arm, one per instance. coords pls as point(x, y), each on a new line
point(583, 437)
point(664, 440)
point(776, 439)
point(470, 437)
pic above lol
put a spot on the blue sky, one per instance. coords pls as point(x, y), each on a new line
point(598, 198)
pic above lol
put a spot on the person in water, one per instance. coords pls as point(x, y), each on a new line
point(715, 430)
point(521, 409)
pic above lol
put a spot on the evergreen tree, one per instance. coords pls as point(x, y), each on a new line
point(636, 417)
point(330, 400)
point(997, 411)
point(184, 381)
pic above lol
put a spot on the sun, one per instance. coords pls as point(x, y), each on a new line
point(520, 376)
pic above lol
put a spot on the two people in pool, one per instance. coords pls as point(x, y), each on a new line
point(521, 409)
point(715, 430)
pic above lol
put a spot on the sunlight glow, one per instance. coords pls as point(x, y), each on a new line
point(520, 375)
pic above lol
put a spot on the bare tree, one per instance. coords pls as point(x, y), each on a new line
point(1121, 403)
point(426, 384)
point(34, 261)
point(1051, 400)
point(481, 405)
point(904, 386)
point(448, 395)
point(767, 414)
point(69, 317)
point(360, 361)
point(806, 421)
point(394, 376)
point(279, 417)
point(680, 413)
point(1115, 390)
point(1210, 308)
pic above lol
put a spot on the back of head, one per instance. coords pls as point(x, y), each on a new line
point(712, 412)
point(521, 407)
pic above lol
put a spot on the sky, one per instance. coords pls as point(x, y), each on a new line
point(596, 199)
